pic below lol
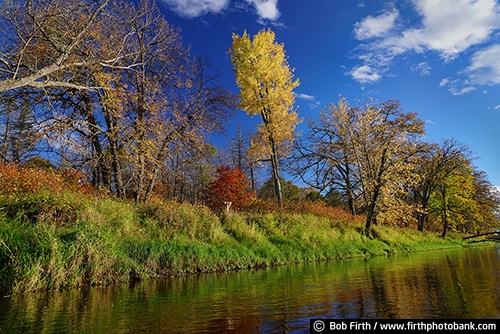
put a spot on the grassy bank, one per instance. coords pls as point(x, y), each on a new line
point(67, 240)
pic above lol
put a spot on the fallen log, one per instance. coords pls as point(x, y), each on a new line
point(480, 235)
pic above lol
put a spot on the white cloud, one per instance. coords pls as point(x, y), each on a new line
point(447, 27)
point(444, 82)
point(462, 91)
point(266, 9)
point(485, 66)
point(372, 27)
point(452, 26)
point(365, 74)
point(306, 97)
point(422, 68)
point(311, 98)
point(497, 107)
point(195, 8)
point(457, 87)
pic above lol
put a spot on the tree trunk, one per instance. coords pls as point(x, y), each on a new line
point(112, 135)
point(6, 139)
point(350, 193)
point(100, 174)
point(151, 185)
point(117, 171)
point(444, 213)
point(156, 168)
point(421, 221)
point(252, 177)
point(371, 212)
point(445, 227)
point(276, 175)
point(424, 201)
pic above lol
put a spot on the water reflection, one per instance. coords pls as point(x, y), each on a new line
point(448, 284)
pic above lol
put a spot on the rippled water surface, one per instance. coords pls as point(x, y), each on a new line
point(461, 283)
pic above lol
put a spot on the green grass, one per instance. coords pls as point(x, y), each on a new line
point(65, 241)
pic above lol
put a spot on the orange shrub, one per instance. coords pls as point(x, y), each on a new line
point(323, 210)
point(19, 180)
point(319, 209)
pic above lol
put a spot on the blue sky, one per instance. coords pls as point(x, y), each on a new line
point(440, 58)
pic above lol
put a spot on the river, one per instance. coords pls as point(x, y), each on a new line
point(448, 284)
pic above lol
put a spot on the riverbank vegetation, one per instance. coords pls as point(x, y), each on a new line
point(55, 232)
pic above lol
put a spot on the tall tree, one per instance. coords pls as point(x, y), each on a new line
point(452, 201)
point(463, 199)
point(435, 163)
point(487, 199)
point(266, 88)
point(368, 152)
point(161, 58)
point(325, 159)
point(199, 108)
point(384, 140)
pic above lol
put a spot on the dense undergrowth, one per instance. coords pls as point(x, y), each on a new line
point(63, 238)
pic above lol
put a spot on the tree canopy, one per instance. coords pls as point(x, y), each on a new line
point(112, 87)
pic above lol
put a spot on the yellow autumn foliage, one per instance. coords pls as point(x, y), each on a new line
point(266, 88)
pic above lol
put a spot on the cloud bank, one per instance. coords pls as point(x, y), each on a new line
point(195, 8)
point(446, 27)
point(265, 9)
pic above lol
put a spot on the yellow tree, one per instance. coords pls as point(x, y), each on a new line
point(453, 201)
point(384, 143)
point(266, 88)
point(463, 199)
point(435, 163)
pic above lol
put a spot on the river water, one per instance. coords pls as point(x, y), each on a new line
point(446, 284)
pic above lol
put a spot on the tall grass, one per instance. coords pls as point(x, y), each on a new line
point(69, 238)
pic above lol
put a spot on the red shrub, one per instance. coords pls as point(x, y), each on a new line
point(232, 186)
